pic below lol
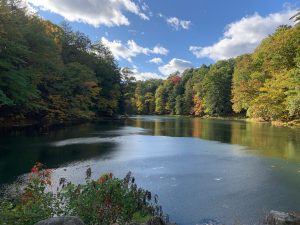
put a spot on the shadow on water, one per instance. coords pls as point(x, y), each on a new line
point(21, 150)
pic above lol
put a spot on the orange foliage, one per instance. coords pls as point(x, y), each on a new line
point(105, 178)
point(175, 79)
point(198, 109)
point(38, 171)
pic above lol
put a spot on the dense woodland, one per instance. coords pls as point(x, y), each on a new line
point(50, 74)
point(264, 84)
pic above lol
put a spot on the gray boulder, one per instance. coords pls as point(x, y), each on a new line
point(63, 220)
point(282, 218)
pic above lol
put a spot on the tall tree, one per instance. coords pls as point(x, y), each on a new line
point(160, 100)
point(217, 88)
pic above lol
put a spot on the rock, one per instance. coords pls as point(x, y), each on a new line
point(282, 218)
point(63, 220)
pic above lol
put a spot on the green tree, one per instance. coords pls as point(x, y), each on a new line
point(188, 98)
point(160, 100)
point(179, 105)
point(278, 56)
point(217, 88)
point(245, 87)
point(149, 103)
point(139, 99)
point(128, 86)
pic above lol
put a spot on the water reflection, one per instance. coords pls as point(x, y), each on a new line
point(56, 148)
point(207, 177)
point(261, 138)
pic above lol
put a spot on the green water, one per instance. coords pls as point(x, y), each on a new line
point(200, 168)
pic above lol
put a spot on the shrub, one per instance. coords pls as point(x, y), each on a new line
point(105, 201)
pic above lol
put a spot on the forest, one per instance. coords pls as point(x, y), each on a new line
point(52, 74)
point(264, 84)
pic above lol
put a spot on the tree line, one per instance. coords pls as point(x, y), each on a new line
point(264, 84)
point(50, 73)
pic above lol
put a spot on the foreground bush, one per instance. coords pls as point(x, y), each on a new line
point(107, 200)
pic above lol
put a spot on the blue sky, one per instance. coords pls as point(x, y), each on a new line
point(158, 37)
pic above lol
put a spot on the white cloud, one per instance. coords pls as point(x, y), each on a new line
point(178, 24)
point(93, 12)
point(146, 8)
point(175, 65)
point(160, 50)
point(145, 75)
point(29, 9)
point(243, 36)
point(130, 49)
point(156, 60)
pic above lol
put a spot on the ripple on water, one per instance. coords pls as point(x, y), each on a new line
point(86, 140)
point(208, 221)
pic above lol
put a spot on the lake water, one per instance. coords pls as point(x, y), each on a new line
point(201, 169)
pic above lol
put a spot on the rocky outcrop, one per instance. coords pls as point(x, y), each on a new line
point(63, 220)
point(282, 218)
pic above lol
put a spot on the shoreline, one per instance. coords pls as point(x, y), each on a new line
point(276, 123)
point(41, 126)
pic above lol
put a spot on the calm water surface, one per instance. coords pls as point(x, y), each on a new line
point(200, 168)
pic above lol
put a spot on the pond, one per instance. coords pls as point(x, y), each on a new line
point(202, 169)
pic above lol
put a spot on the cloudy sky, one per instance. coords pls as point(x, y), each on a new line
point(158, 37)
